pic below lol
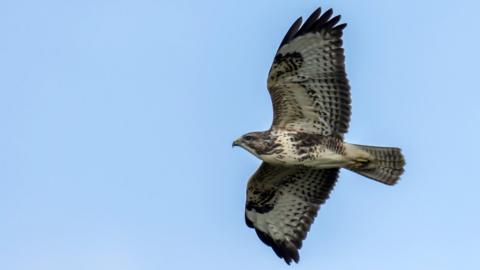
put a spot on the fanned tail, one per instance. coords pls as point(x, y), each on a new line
point(383, 164)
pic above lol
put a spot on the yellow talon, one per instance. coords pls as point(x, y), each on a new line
point(360, 163)
point(362, 160)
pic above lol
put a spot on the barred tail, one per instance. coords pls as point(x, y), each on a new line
point(383, 164)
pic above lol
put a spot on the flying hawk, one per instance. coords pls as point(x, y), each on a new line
point(304, 149)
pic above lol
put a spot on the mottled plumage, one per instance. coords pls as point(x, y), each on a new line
point(303, 150)
point(282, 203)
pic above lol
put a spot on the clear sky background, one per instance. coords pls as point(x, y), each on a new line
point(117, 119)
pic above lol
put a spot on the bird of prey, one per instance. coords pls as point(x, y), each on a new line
point(304, 149)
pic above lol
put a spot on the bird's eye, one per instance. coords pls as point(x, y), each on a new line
point(248, 138)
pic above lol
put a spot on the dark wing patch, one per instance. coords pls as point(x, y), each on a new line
point(286, 64)
point(307, 81)
point(282, 203)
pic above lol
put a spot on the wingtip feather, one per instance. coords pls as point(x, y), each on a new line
point(316, 22)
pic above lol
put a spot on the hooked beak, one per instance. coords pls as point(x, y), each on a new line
point(236, 143)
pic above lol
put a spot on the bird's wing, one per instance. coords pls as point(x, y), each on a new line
point(307, 81)
point(282, 203)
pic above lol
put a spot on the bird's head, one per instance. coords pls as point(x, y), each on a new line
point(256, 143)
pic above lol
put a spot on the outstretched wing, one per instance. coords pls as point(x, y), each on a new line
point(307, 81)
point(282, 203)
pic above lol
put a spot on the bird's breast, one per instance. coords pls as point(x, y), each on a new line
point(308, 150)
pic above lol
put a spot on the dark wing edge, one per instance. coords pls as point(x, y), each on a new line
point(316, 22)
point(282, 203)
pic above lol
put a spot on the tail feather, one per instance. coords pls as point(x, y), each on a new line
point(385, 164)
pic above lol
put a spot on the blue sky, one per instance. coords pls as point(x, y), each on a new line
point(118, 116)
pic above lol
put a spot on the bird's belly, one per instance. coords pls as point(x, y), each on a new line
point(321, 160)
point(325, 160)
